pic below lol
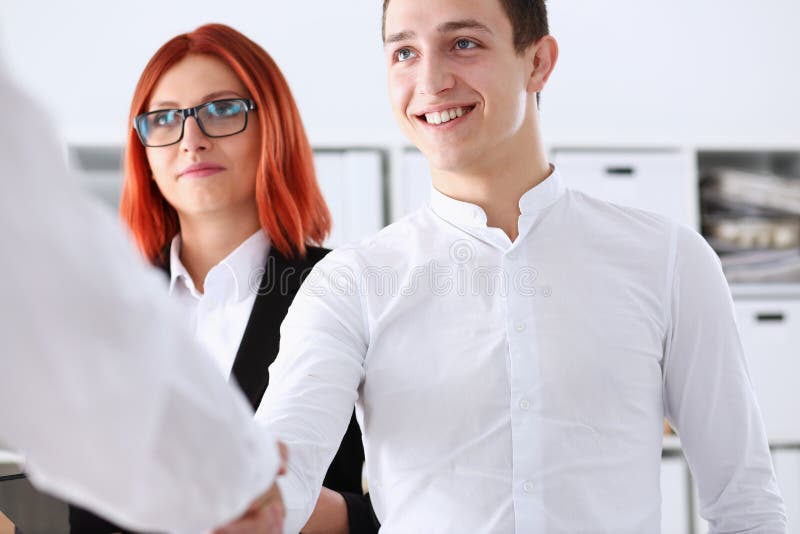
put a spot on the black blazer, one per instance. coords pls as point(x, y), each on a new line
point(259, 347)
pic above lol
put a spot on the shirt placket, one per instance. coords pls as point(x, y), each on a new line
point(524, 374)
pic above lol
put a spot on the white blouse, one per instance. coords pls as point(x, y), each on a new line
point(219, 315)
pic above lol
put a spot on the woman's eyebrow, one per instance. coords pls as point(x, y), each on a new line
point(169, 104)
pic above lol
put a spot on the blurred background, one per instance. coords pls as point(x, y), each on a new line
point(688, 108)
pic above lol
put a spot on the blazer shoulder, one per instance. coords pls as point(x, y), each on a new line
point(314, 254)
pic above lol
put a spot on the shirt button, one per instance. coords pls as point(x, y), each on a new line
point(513, 255)
point(524, 404)
point(527, 486)
point(519, 327)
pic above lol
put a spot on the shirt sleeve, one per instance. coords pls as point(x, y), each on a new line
point(105, 393)
point(709, 399)
point(314, 380)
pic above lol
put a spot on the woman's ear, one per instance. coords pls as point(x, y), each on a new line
point(543, 55)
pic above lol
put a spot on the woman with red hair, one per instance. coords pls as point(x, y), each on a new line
point(220, 192)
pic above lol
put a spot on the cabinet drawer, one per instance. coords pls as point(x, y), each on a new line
point(658, 181)
point(770, 332)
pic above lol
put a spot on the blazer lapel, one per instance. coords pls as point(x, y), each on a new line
point(259, 347)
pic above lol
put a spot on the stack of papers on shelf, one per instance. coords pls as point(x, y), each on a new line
point(753, 190)
point(753, 222)
point(762, 266)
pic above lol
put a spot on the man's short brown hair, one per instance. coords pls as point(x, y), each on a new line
point(528, 21)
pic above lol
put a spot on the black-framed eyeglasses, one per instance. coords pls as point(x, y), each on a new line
point(219, 118)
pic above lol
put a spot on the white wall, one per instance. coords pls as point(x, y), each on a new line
point(83, 58)
point(705, 72)
point(709, 72)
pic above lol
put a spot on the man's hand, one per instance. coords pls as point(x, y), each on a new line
point(265, 514)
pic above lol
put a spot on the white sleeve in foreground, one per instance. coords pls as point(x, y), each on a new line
point(103, 390)
point(709, 399)
point(314, 381)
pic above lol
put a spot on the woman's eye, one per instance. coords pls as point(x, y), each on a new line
point(224, 109)
point(404, 54)
point(165, 118)
point(463, 44)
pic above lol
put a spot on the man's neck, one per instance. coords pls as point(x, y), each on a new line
point(206, 240)
point(498, 187)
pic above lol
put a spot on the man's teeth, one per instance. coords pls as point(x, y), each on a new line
point(438, 117)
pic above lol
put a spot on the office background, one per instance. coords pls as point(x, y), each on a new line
point(690, 108)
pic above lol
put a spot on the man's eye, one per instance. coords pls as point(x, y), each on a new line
point(404, 54)
point(463, 44)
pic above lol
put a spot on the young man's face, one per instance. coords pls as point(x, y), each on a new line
point(459, 90)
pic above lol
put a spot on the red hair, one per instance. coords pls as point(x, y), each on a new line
point(291, 208)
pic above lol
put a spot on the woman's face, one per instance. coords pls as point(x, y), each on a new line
point(203, 175)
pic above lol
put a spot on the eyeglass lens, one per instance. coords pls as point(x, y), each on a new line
point(216, 119)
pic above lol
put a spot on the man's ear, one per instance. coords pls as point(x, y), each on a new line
point(543, 55)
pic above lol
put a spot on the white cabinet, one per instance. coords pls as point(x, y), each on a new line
point(414, 187)
point(674, 494)
point(770, 332)
point(699, 525)
point(787, 469)
point(352, 184)
point(653, 180)
point(99, 169)
point(658, 180)
point(680, 502)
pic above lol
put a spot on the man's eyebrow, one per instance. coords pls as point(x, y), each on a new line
point(466, 24)
point(399, 36)
point(445, 27)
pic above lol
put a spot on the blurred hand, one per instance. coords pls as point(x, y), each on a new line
point(329, 516)
point(265, 514)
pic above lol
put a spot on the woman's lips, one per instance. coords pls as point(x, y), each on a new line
point(201, 170)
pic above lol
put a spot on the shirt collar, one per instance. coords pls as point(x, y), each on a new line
point(543, 195)
point(177, 271)
point(243, 265)
point(536, 199)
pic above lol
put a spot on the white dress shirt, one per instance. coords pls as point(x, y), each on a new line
point(521, 387)
point(102, 388)
point(219, 315)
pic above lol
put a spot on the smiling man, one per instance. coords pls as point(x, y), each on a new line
point(513, 367)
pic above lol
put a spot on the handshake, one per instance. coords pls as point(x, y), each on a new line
point(266, 513)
